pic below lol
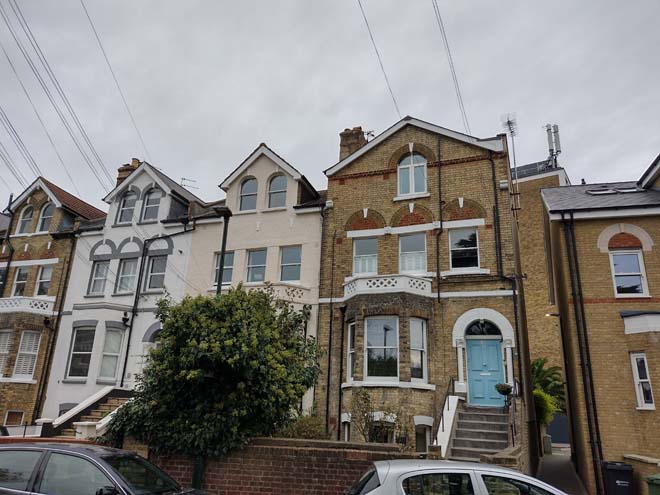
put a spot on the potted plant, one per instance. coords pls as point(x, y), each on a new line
point(505, 389)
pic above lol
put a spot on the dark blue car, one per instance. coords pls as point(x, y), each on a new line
point(80, 469)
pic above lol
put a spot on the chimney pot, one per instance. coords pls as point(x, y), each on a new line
point(126, 170)
point(351, 140)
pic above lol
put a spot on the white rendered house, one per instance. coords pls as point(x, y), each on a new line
point(274, 235)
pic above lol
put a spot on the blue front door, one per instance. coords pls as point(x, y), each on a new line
point(484, 364)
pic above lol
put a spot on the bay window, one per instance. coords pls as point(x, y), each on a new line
point(227, 270)
point(290, 264)
point(382, 348)
point(81, 352)
point(350, 351)
point(256, 265)
point(412, 253)
point(27, 355)
point(5, 343)
point(111, 351)
point(365, 256)
point(418, 352)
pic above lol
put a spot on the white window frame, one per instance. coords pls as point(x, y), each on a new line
point(104, 353)
point(299, 264)
point(20, 269)
point(122, 207)
point(120, 275)
point(375, 256)
point(274, 191)
point(241, 195)
point(637, 381)
point(216, 272)
point(350, 352)
point(424, 350)
point(42, 217)
point(21, 220)
point(451, 249)
point(151, 273)
point(413, 272)
point(4, 422)
point(642, 274)
point(40, 280)
point(5, 347)
point(35, 353)
point(153, 193)
point(72, 352)
point(94, 277)
point(366, 376)
point(411, 176)
point(249, 266)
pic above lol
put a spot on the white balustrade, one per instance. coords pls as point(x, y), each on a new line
point(27, 305)
point(383, 284)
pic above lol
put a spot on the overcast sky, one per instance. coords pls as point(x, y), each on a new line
point(207, 81)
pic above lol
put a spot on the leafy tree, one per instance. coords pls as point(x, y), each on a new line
point(550, 381)
point(227, 369)
point(545, 406)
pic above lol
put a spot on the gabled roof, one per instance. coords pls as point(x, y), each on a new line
point(491, 144)
point(260, 150)
point(650, 174)
point(61, 199)
point(161, 178)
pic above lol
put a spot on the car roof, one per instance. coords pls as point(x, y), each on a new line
point(89, 449)
point(398, 467)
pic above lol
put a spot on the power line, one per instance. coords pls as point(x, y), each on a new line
point(114, 77)
point(380, 61)
point(43, 125)
point(18, 141)
point(450, 59)
point(49, 71)
point(9, 162)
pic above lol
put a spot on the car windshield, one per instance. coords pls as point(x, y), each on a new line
point(143, 477)
point(367, 483)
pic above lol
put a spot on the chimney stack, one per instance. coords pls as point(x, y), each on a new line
point(127, 169)
point(351, 140)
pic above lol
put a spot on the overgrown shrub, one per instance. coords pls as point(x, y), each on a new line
point(309, 427)
point(545, 406)
point(550, 380)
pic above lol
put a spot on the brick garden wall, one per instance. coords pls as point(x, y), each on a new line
point(283, 466)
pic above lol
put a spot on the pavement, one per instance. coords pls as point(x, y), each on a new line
point(557, 470)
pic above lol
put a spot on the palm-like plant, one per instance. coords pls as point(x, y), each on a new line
point(550, 381)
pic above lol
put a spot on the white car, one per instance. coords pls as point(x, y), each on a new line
point(422, 477)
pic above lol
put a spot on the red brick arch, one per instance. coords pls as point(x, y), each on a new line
point(471, 209)
point(404, 150)
point(404, 216)
point(624, 240)
point(357, 221)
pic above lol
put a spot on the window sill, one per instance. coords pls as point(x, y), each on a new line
point(391, 384)
point(152, 292)
point(632, 296)
point(279, 208)
point(75, 380)
point(120, 294)
point(418, 274)
point(124, 224)
point(245, 212)
point(93, 296)
point(407, 197)
point(106, 381)
point(147, 222)
point(11, 379)
point(471, 271)
point(646, 408)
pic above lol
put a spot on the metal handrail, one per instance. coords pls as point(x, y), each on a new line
point(450, 386)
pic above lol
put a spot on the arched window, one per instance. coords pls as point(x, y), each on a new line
point(25, 220)
point(126, 208)
point(483, 328)
point(412, 174)
point(45, 217)
point(248, 195)
point(277, 192)
point(150, 205)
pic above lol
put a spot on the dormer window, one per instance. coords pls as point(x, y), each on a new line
point(126, 208)
point(412, 174)
point(277, 192)
point(46, 217)
point(25, 220)
point(150, 205)
point(248, 199)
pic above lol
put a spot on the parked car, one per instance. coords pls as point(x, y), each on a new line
point(80, 469)
point(422, 477)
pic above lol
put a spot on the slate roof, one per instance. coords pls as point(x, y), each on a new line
point(582, 197)
point(73, 203)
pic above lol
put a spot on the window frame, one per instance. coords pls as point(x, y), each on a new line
point(249, 266)
point(42, 217)
point(299, 264)
point(150, 273)
point(41, 280)
point(122, 207)
point(451, 250)
point(5, 348)
point(104, 353)
point(642, 274)
point(242, 195)
point(153, 192)
point(375, 255)
point(4, 421)
point(366, 376)
point(93, 277)
point(424, 350)
point(277, 191)
point(21, 219)
point(350, 352)
point(414, 272)
point(35, 353)
point(216, 269)
point(20, 269)
point(637, 381)
point(121, 275)
point(411, 175)
point(72, 352)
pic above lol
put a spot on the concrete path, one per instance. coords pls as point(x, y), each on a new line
point(557, 470)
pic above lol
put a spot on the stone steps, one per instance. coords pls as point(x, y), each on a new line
point(466, 433)
point(479, 443)
point(479, 430)
point(481, 425)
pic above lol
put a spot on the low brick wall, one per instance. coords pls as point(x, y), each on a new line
point(283, 466)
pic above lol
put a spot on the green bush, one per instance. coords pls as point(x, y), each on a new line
point(545, 406)
point(308, 427)
point(550, 380)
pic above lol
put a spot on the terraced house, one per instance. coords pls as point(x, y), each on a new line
point(603, 241)
point(420, 296)
point(35, 258)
